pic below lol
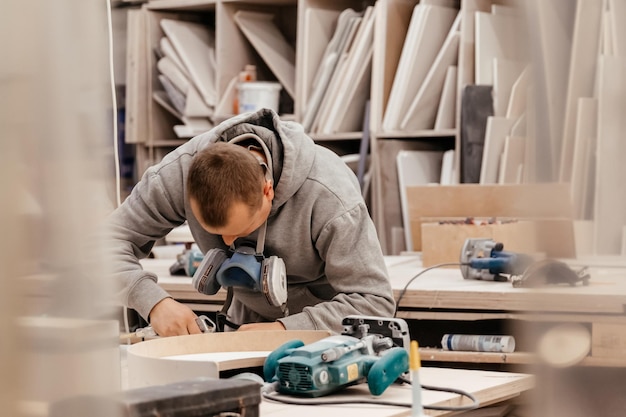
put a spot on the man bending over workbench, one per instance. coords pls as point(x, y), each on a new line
point(258, 182)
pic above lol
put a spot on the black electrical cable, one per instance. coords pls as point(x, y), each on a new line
point(406, 286)
point(318, 401)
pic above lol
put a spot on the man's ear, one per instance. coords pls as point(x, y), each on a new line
point(268, 189)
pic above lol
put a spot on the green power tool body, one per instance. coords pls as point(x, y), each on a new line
point(372, 349)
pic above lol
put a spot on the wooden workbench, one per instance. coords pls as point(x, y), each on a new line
point(174, 359)
point(443, 296)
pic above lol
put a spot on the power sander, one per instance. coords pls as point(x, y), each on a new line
point(372, 349)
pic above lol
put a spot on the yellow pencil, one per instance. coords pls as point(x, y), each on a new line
point(417, 410)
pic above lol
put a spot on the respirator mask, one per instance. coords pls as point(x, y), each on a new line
point(245, 266)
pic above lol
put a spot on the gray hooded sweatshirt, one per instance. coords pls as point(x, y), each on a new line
point(318, 224)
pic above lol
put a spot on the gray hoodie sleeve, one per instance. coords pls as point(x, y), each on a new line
point(148, 214)
point(355, 268)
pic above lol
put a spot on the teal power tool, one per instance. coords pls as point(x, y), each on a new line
point(372, 349)
point(187, 262)
point(485, 259)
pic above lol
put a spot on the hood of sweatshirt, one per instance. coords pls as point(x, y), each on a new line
point(292, 151)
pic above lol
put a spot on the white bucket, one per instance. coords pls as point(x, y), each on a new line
point(256, 95)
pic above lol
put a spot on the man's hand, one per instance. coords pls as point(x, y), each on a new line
point(262, 326)
point(171, 318)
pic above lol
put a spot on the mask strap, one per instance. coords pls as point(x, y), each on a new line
point(260, 243)
point(266, 151)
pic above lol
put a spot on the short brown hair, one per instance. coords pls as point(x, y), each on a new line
point(221, 175)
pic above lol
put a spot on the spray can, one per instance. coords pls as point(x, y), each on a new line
point(478, 343)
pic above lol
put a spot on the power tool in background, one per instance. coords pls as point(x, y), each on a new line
point(187, 262)
point(372, 349)
point(485, 259)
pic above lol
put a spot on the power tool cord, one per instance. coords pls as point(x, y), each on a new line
point(419, 274)
point(267, 394)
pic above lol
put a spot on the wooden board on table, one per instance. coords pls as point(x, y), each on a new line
point(158, 361)
point(488, 386)
point(445, 288)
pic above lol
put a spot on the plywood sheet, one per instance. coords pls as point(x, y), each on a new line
point(195, 44)
point(583, 168)
point(582, 70)
point(271, 45)
point(423, 109)
point(610, 193)
point(548, 201)
point(147, 366)
point(427, 32)
point(497, 36)
point(498, 128)
point(446, 111)
point(415, 168)
point(512, 160)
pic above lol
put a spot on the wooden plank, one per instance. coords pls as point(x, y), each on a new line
point(511, 170)
point(505, 73)
point(445, 288)
point(474, 200)
point(582, 70)
point(498, 128)
point(137, 98)
point(497, 36)
point(610, 203)
point(415, 168)
point(608, 340)
point(146, 366)
point(487, 386)
point(446, 111)
point(583, 164)
point(427, 32)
